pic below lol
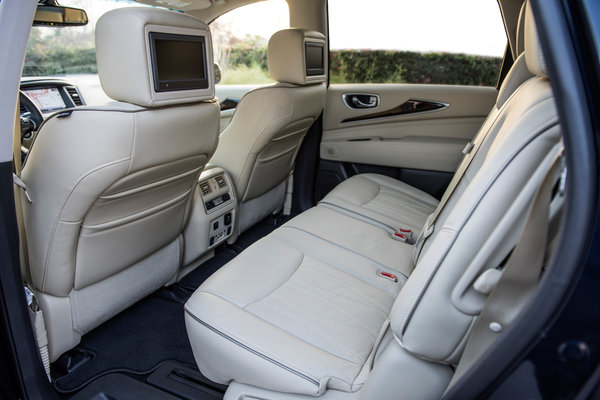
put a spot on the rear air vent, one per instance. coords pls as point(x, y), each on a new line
point(205, 188)
point(74, 94)
point(221, 181)
point(22, 109)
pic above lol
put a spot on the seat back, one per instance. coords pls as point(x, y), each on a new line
point(434, 312)
point(113, 185)
point(260, 144)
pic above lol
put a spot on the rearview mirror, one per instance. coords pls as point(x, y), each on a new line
point(50, 13)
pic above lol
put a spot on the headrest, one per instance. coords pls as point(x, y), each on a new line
point(142, 58)
point(297, 56)
point(533, 49)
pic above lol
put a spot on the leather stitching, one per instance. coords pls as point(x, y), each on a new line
point(363, 332)
point(342, 248)
point(255, 350)
point(355, 290)
point(60, 211)
point(347, 351)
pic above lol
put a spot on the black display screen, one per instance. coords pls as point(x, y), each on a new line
point(178, 62)
point(314, 59)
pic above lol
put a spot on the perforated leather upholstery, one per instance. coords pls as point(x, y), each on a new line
point(260, 144)
point(112, 187)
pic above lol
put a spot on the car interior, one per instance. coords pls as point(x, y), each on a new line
point(337, 241)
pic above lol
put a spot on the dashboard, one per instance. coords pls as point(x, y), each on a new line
point(41, 97)
point(51, 95)
point(47, 99)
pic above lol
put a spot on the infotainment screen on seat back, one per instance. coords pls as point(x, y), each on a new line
point(178, 62)
point(314, 59)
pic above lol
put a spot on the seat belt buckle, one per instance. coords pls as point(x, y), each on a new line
point(408, 233)
point(388, 276)
point(403, 235)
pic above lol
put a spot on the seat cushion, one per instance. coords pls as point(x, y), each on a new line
point(343, 230)
point(383, 200)
point(311, 311)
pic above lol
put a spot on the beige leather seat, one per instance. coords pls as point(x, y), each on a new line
point(112, 186)
point(260, 144)
point(307, 311)
point(382, 200)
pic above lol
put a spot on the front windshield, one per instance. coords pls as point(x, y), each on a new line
point(68, 50)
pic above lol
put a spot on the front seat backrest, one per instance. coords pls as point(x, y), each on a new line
point(112, 186)
point(260, 144)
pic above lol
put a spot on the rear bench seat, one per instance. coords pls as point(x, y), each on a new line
point(331, 304)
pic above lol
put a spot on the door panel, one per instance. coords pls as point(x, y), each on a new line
point(414, 126)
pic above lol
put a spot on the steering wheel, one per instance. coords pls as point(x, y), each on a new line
point(30, 120)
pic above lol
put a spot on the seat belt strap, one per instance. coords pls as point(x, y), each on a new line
point(520, 277)
point(33, 308)
point(469, 151)
point(425, 233)
point(20, 188)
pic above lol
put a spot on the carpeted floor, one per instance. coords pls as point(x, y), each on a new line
point(152, 331)
point(195, 278)
point(136, 340)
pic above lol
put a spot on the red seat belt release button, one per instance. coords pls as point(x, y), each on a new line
point(400, 235)
point(389, 276)
point(404, 235)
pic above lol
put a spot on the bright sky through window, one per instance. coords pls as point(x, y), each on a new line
point(458, 26)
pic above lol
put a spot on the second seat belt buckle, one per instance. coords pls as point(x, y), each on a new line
point(403, 235)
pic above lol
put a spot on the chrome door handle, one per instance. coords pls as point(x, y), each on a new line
point(360, 101)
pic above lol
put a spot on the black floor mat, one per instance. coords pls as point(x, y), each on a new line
point(153, 330)
point(122, 387)
point(195, 278)
point(136, 340)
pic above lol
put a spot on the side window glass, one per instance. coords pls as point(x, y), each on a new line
point(404, 41)
point(240, 40)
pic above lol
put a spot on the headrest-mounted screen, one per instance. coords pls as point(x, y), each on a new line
point(314, 58)
point(152, 57)
point(178, 62)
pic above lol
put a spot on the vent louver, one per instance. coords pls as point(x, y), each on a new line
point(74, 94)
point(221, 181)
point(205, 188)
point(22, 109)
